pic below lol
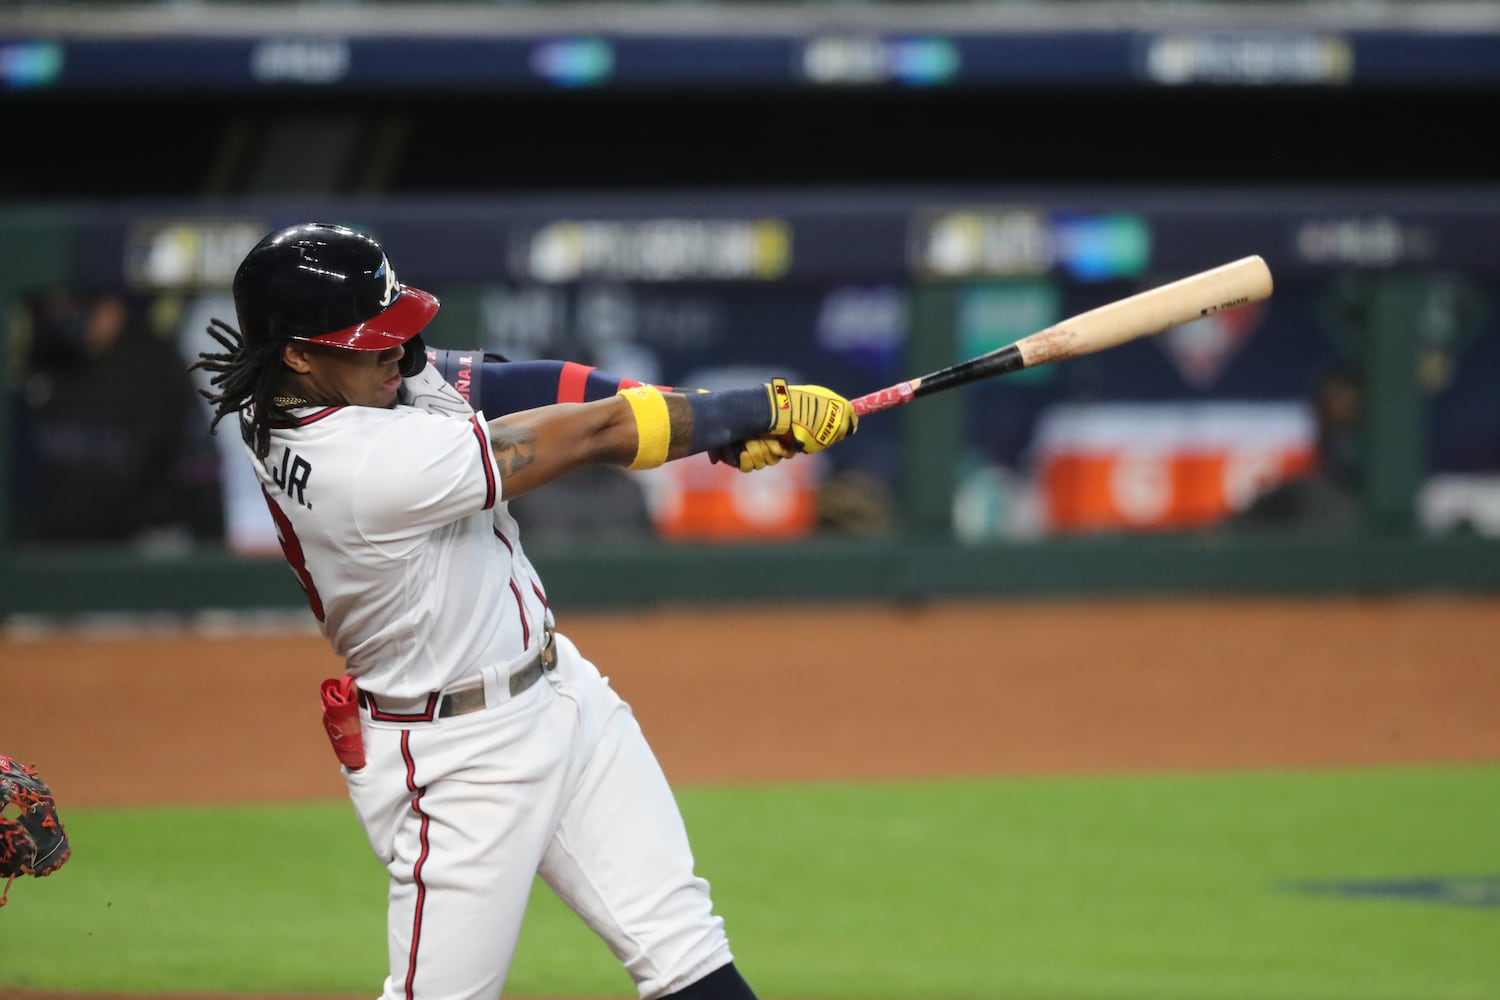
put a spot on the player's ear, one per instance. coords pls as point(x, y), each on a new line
point(294, 356)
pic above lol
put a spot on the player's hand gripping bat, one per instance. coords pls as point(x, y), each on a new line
point(1219, 289)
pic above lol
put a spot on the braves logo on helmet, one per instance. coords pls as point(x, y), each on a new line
point(392, 286)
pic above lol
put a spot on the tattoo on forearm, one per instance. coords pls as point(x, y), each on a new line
point(514, 448)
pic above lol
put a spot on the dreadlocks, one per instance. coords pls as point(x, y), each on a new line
point(246, 377)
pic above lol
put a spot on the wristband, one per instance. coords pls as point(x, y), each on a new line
point(653, 427)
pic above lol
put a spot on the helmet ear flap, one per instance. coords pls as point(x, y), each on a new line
point(415, 358)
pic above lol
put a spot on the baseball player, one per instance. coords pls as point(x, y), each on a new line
point(481, 748)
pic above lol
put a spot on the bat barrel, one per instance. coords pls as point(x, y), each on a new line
point(1220, 289)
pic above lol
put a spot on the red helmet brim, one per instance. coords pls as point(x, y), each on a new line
point(400, 321)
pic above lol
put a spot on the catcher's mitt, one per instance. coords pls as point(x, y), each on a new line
point(32, 838)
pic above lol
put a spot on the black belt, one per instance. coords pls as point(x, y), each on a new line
point(471, 699)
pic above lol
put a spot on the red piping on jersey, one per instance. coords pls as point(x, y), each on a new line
point(311, 418)
point(516, 591)
point(521, 607)
point(416, 872)
point(572, 381)
point(489, 467)
point(426, 715)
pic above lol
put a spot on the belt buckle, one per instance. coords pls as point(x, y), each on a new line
point(547, 656)
point(543, 662)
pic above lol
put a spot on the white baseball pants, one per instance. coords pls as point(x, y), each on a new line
point(558, 782)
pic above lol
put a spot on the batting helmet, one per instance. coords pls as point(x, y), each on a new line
point(328, 284)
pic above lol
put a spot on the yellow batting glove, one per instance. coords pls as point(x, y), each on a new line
point(761, 453)
point(809, 417)
point(753, 454)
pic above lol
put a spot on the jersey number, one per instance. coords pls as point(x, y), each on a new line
point(291, 547)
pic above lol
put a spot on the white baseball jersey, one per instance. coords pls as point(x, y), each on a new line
point(394, 524)
point(393, 521)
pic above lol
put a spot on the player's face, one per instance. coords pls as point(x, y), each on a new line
point(356, 378)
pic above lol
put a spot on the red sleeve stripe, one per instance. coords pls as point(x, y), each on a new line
point(572, 382)
point(487, 462)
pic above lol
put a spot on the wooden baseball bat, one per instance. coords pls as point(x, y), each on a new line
point(1219, 289)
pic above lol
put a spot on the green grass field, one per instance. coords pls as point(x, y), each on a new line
point(1127, 888)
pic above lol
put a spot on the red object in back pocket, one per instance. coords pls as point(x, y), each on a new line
point(341, 720)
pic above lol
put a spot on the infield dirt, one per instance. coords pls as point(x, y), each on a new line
point(774, 694)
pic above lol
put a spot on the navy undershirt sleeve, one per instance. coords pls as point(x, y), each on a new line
point(512, 386)
point(719, 418)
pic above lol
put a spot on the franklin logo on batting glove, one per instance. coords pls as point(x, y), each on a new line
point(809, 417)
point(832, 427)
